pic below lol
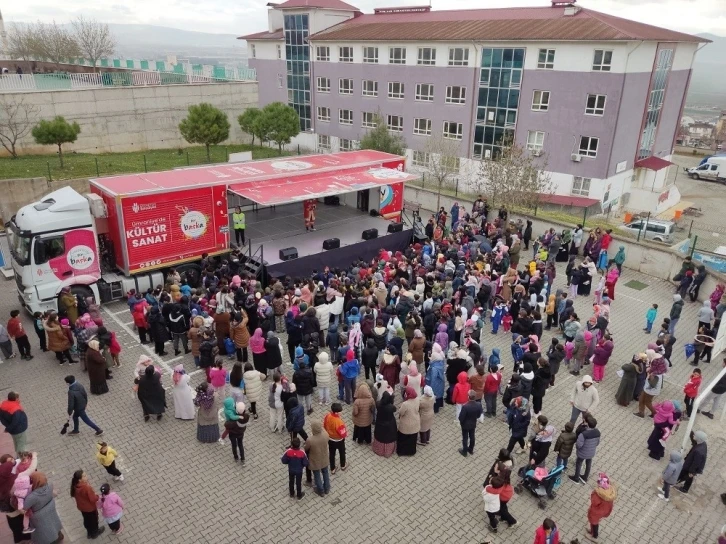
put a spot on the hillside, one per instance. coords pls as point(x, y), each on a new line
point(708, 82)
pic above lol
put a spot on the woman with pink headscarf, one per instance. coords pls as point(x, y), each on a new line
point(182, 394)
point(257, 346)
point(611, 280)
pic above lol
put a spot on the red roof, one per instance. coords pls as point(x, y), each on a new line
point(653, 163)
point(245, 172)
point(292, 189)
point(567, 200)
point(540, 23)
point(277, 35)
point(322, 4)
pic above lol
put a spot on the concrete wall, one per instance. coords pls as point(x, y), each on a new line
point(649, 258)
point(136, 118)
point(21, 192)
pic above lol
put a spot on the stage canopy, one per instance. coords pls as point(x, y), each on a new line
point(293, 189)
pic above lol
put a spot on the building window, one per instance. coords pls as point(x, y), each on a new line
point(370, 87)
point(324, 142)
point(422, 127)
point(459, 56)
point(424, 92)
point(323, 85)
point(580, 186)
point(279, 81)
point(368, 119)
point(253, 51)
point(347, 145)
point(595, 104)
point(345, 117)
point(322, 53)
point(421, 159)
point(370, 55)
point(540, 100)
point(345, 86)
point(395, 89)
point(395, 123)
point(345, 54)
point(602, 61)
point(453, 131)
point(397, 55)
point(426, 56)
point(588, 146)
point(452, 165)
point(546, 59)
point(323, 113)
point(535, 140)
point(279, 51)
point(497, 97)
point(659, 80)
point(297, 62)
point(456, 95)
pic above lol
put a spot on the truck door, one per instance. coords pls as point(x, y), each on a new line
point(46, 250)
point(712, 172)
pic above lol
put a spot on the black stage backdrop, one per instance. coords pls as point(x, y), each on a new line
point(341, 257)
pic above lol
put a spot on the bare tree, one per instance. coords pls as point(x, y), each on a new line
point(22, 42)
point(16, 120)
point(55, 43)
point(443, 159)
point(94, 39)
point(516, 177)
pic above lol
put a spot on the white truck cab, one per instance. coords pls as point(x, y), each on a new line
point(712, 169)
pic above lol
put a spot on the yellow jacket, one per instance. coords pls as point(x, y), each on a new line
point(107, 459)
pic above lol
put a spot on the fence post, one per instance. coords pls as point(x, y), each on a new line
point(456, 188)
point(298, 149)
point(584, 218)
point(145, 169)
point(226, 154)
point(187, 158)
point(98, 172)
point(50, 178)
point(693, 246)
point(690, 228)
point(536, 205)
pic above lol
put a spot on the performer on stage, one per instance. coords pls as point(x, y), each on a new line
point(309, 211)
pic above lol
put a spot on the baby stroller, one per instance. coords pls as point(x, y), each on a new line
point(540, 488)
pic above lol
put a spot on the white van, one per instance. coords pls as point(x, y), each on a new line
point(714, 169)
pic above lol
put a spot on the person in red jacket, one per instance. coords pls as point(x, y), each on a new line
point(460, 394)
point(601, 504)
point(491, 390)
point(139, 315)
point(547, 533)
point(691, 390)
point(16, 331)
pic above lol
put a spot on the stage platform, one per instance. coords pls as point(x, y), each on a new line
point(283, 226)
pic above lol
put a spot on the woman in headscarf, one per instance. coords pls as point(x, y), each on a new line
point(96, 365)
point(610, 281)
point(435, 376)
point(667, 416)
point(416, 346)
point(273, 353)
point(363, 409)
point(207, 419)
point(426, 415)
point(182, 394)
point(601, 503)
point(396, 343)
point(257, 346)
point(695, 460)
point(86, 330)
point(630, 371)
point(409, 424)
point(640, 377)
point(385, 433)
point(44, 519)
point(151, 393)
point(158, 331)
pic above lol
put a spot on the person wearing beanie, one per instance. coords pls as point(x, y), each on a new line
point(492, 382)
point(337, 432)
point(675, 313)
point(296, 460)
point(694, 462)
point(518, 418)
point(601, 504)
point(670, 474)
point(236, 424)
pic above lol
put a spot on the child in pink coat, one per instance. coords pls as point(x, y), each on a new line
point(112, 508)
point(218, 377)
point(21, 486)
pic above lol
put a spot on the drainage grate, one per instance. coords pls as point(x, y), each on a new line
point(637, 285)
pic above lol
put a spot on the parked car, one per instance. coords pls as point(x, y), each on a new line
point(651, 229)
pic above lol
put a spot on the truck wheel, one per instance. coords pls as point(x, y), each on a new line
point(190, 272)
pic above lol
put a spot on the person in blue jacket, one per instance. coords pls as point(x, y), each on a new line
point(295, 422)
point(296, 461)
point(350, 370)
point(353, 317)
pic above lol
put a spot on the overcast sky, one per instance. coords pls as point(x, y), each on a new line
point(246, 16)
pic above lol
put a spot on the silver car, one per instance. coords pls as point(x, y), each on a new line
point(651, 229)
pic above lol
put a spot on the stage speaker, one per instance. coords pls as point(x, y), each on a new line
point(370, 234)
point(288, 254)
point(331, 243)
point(395, 227)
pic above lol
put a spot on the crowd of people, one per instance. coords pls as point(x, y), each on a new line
point(401, 335)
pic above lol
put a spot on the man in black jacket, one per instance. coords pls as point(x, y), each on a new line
point(695, 460)
point(77, 402)
point(468, 417)
point(178, 320)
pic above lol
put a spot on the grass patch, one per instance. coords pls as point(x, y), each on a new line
point(637, 285)
point(87, 165)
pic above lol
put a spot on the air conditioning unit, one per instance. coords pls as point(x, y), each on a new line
point(576, 157)
point(536, 153)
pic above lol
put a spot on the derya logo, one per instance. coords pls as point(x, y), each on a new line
point(80, 257)
point(193, 224)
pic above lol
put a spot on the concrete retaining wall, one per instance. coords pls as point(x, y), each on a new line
point(646, 257)
point(17, 193)
point(134, 118)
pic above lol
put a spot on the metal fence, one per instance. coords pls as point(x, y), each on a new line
point(10, 83)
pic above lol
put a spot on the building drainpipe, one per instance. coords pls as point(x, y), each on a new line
point(474, 102)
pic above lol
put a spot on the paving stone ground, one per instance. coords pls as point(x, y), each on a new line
point(178, 490)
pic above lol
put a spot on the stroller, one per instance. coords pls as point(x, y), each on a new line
point(541, 488)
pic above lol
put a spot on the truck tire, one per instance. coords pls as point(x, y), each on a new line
point(191, 272)
point(82, 290)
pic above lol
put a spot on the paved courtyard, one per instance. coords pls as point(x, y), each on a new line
point(178, 490)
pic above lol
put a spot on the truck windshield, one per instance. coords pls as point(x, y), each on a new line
point(19, 245)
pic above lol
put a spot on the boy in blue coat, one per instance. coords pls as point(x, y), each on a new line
point(517, 351)
point(350, 370)
point(650, 316)
point(497, 314)
point(296, 461)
